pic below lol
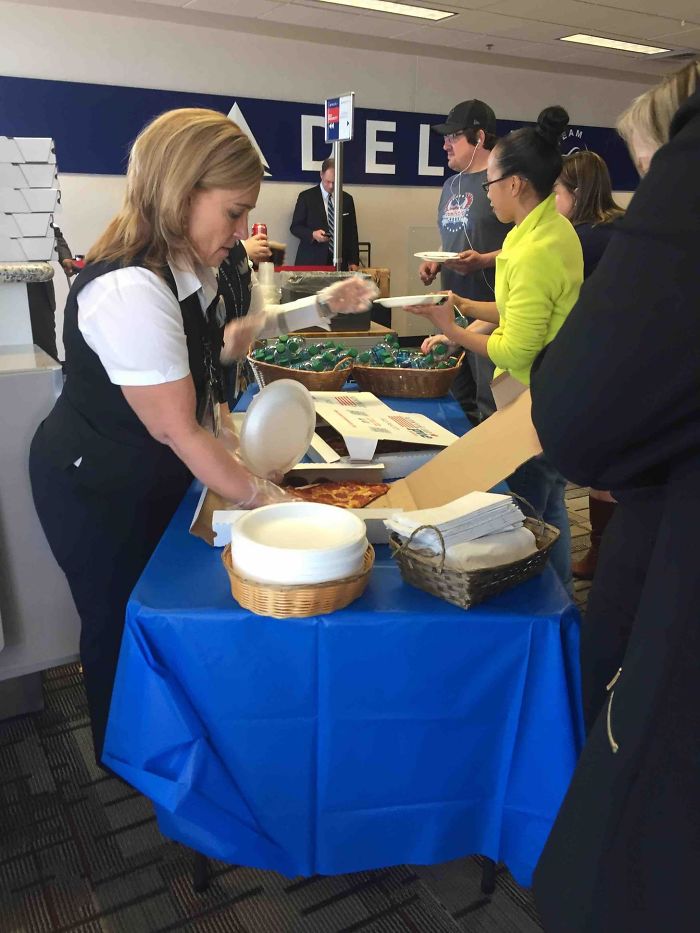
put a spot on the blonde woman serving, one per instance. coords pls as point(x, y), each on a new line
point(143, 336)
point(538, 276)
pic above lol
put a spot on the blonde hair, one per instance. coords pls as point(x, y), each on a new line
point(179, 152)
point(650, 115)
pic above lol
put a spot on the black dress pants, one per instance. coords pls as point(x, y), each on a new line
point(102, 542)
point(464, 391)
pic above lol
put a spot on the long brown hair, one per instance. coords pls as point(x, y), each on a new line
point(179, 152)
point(585, 175)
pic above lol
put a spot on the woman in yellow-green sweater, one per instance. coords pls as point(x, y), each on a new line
point(538, 276)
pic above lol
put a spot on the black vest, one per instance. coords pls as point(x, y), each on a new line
point(92, 420)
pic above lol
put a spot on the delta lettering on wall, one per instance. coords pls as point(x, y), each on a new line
point(388, 148)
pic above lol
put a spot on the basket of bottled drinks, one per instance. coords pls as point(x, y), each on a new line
point(384, 369)
point(321, 366)
point(390, 370)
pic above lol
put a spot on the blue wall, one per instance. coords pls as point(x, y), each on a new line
point(94, 124)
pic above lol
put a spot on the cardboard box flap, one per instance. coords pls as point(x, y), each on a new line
point(485, 456)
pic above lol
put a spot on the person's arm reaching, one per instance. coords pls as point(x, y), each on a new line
point(65, 255)
point(349, 296)
point(470, 261)
point(167, 411)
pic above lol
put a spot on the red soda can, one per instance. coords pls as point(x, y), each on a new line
point(259, 228)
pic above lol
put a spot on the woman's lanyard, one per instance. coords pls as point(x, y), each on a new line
point(237, 307)
point(211, 346)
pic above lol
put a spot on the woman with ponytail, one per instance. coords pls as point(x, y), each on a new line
point(538, 276)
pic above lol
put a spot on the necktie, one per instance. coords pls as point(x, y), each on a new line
point(331, 221)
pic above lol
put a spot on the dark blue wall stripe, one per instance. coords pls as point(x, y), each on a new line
point(94, 124)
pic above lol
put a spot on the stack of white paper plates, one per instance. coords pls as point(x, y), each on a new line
point(298, 542)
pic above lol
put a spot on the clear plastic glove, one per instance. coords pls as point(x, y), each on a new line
point(229, 439)
point(349, 296)
point(239, 335)
point(264, 492)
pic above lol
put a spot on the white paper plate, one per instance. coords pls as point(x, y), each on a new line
point(298, 542)
point(277, 428)
point(436, 256)
point(400, 301)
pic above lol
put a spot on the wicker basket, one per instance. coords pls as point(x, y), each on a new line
point(328, 381)
point(284, 602)
point(466, 588)
point(405, 383)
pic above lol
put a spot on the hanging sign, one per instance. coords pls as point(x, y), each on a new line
point(339, 118)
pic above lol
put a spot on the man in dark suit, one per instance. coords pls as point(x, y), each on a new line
point(314, 216)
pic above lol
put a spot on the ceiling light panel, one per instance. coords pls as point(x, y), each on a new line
point(616, 45)
point(388, 6)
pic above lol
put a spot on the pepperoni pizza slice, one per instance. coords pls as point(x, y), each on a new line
point(347, 495)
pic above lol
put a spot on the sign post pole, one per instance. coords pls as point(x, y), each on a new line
point(339, 130)
point(338, 200)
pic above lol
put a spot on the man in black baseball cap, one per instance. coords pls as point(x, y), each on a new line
point(468, 226)
point(469, 115)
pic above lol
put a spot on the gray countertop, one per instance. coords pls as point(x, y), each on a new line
point(25, 272)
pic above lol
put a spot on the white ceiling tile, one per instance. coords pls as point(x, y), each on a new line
point(485, 21)
point(678, 9)
point(586, 17)
point(479, 42)
point(249, 8)
point(686, 39)
point(322, 16)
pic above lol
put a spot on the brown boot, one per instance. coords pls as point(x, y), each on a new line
point(601, 513)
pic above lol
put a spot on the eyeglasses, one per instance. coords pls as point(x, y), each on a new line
point(453, 137)
point(487, 184)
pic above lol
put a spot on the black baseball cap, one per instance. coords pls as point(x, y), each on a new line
point(469, 115)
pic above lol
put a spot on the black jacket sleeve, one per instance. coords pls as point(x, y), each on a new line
point(351, 249)
point(300, 226)
point(616, 397)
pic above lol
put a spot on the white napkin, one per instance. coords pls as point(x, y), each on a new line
point(491, 550)
point(472, 516)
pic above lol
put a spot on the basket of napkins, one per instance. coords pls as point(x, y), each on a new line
point(470, 549)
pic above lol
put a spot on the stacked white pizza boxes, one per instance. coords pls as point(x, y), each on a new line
point(29, 192)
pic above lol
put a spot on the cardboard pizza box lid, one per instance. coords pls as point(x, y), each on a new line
point(484, 457)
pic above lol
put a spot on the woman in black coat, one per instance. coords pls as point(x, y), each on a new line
point(583, 193)
point(624, 852)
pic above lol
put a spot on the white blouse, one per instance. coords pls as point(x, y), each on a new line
point(132, 321)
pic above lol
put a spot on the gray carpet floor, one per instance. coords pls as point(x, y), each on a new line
point(80, 852)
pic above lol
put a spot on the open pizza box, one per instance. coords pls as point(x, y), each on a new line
point(484, 457)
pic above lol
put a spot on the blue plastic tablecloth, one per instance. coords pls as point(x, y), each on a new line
point(400, 729)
